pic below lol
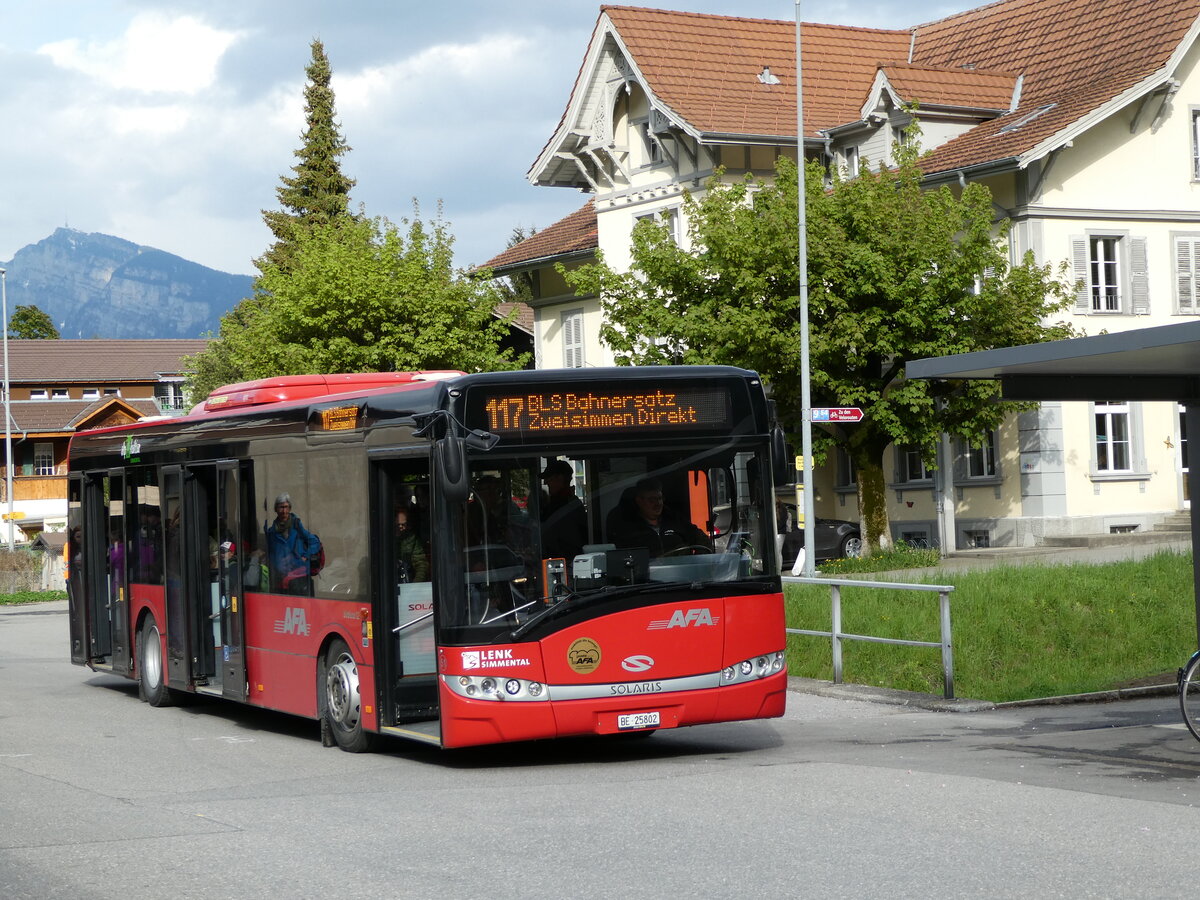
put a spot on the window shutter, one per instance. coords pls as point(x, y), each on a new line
point(1079, 267)
point(1139, 277)
point(1185, 273)
point(572, 330)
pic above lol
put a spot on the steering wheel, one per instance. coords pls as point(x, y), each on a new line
point(689, 550)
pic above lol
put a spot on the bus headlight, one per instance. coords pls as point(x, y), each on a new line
point(755, 668)
point(488, 687)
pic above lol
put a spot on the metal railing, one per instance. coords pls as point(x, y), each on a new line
point(836, 584)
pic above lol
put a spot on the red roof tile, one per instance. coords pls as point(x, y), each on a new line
point(573, 234)
point(1073, 56)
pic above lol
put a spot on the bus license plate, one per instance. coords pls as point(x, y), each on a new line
point(638, 720)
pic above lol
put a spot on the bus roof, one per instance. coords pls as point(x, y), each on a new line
point(287, 388)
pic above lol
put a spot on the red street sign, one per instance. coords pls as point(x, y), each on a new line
point(837, 414)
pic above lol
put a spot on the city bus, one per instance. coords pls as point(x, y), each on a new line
point(457, 559)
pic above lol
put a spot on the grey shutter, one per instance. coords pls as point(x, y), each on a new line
point(1079, 267)
point(1185, 274)
point(1138, 277)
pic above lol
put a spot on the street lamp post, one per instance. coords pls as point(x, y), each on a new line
point(8, 462)
point(809, 568)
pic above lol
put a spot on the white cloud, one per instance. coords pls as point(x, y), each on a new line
point(155, 54)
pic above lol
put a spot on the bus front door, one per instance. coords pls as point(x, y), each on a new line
point(204, 578)
point(405, 597)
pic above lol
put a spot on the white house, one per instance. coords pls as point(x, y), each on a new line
point(1083, 119)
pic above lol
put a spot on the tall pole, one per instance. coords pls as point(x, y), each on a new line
point(805, 393)
point(8, 462)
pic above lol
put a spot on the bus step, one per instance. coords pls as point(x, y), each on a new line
point(426, 732)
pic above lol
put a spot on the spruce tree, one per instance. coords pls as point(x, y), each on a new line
point(318, 193)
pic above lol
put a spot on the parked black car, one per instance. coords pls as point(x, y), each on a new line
point(835, 539)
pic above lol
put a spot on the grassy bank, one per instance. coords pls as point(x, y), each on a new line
point(31, 597)
point(1019, 631)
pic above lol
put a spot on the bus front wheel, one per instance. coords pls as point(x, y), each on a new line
point(152, 682)
point(342, 699)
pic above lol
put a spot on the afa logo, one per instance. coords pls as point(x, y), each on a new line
point(681, 619)
point(583, 656)
point(294, 621)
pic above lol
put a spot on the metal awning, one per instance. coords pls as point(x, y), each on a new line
point(1160, 363)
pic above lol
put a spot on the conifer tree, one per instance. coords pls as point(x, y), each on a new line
point(318, 193)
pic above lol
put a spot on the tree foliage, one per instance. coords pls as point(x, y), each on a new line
point(318, 193)
point(32, 323)
point(896, 272)
point(359, 295)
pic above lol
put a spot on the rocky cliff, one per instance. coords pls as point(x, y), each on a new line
point(96, 285)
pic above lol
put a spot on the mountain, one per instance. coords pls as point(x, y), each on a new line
point(96, 285)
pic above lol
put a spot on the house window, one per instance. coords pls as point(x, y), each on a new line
point(1113, 444)
point(1196, 144)
point(847, 475)
point(572, 332)
point(61, 394)
point(112, 392)
point(169, 396)
point(911, 466)
point(91, 393)
point(978, 539)
point(850, 155)
point(43, 459)
point(981, 457)
point(1110, 274)
point(39, 394)
point(653, 149)
point(1187, 268)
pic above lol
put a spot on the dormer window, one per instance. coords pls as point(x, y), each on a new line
point(61, 394)
point(91, 393)
point(39, 394)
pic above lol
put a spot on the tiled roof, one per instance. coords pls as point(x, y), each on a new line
point(706, 68)
point(1073, 57)
point(524, 317)
point(963, 88)
point(1074, 54)
point(107, 361)
point(573, 234)
point(64, 416)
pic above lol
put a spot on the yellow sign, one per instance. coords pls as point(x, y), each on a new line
point(13, 515)
point(342, 418)
point(584, 656)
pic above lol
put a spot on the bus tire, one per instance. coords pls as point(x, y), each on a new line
point(340, 699)
point(152, 681)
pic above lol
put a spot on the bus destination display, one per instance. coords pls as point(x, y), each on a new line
point(592, 409)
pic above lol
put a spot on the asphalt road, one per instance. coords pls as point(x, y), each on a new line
point(102, 796)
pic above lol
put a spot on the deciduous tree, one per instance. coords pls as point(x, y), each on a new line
point(32, 323)
point(896, 272)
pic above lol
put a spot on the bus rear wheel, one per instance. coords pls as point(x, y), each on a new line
point(152, 682)
point(342, 700)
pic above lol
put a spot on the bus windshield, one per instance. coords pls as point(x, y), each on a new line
point(539, 530)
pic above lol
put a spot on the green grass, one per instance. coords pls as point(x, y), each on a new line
point(1018, 631)
point(31, 597)
point(901, 556)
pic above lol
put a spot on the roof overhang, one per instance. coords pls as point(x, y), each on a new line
point(1160, 363)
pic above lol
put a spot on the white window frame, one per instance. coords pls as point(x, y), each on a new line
point(906, 458)
point(1117, 425)
point(979, 459)
point(850, 154)
point(91, 393)
point(1195, 143)
point(60, 394)
point(1111, 278)
point(39, 394)
point(43, 450)
point(572, 338)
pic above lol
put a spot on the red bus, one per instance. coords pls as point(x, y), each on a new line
point(455, 559)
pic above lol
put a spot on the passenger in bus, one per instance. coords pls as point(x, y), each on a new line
point(490, 513)
point(411, 562)
point(564, 520)
point(291, 550)
point(653, 526)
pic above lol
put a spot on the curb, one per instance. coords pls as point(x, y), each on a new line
point(932, 702)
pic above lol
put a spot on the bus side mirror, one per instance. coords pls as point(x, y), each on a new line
point(450, 454)
point(781, 464)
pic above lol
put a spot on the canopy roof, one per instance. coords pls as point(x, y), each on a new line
point(1160, 363)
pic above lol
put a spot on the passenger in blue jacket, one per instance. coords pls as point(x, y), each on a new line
point(292, 550)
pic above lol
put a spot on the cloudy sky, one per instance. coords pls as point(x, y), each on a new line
point(169, 122)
